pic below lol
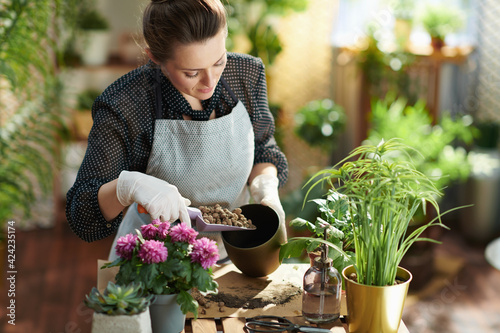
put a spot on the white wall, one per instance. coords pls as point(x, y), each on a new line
point(124, 17)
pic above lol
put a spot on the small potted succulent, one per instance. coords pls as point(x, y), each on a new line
point(120, 309)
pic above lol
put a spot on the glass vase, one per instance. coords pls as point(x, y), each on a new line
point(322, 292)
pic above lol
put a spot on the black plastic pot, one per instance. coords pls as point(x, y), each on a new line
point(256, 252)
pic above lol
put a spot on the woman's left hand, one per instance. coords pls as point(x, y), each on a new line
point(264, 190)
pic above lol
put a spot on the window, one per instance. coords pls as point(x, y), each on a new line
point(356, 16)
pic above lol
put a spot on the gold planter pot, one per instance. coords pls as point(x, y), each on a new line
point(375, 309)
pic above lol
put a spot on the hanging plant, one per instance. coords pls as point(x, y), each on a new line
point(440, 20)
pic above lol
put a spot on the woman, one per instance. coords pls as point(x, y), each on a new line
point(192, 127)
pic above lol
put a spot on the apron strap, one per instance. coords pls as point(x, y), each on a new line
point(233, 96)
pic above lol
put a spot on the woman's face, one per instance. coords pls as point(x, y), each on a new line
point(195, 69)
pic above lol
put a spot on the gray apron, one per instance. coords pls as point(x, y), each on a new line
point(208, 161)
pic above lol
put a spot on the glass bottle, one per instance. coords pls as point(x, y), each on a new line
point(322, 292)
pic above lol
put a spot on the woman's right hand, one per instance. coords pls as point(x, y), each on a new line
point(160, 199)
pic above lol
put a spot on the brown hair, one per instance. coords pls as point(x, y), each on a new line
point(167, 23)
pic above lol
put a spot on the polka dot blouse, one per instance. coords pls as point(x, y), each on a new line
point(122, 134)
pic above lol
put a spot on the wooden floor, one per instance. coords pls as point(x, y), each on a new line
point(56, 269)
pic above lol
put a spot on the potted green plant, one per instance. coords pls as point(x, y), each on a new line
point(319, 122)
point(382, 197)
point(403, 14)
point(483, 186)
point(439, 153)
point(120, 309)
point(439, 20)
point(95, 36)
point(438, 143)
point(170, 262)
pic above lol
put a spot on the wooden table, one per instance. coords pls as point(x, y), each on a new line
point(233, 282)
point(233, 325)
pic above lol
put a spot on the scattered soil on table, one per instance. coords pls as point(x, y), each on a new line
point(239, 300)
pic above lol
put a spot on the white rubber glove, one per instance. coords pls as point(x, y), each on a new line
point(264, 190)
point(159, 198)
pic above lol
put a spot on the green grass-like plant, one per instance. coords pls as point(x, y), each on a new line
point(383, 196)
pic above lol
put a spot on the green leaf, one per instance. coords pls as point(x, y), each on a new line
point(186, 269)
point(116, 262)
point(187, 303)
point(170, 268)
point(340, 262)
point(202, 279)
point(293, 248)
point(300, 224)
point(333, 233)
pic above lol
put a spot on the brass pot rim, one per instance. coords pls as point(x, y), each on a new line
point(406, 280)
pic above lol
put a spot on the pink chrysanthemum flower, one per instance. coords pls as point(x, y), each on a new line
point(163, 228)
point(149, 231)
point(125, 246)
point(205, 252)
point(153, 252)
point(183, 233)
